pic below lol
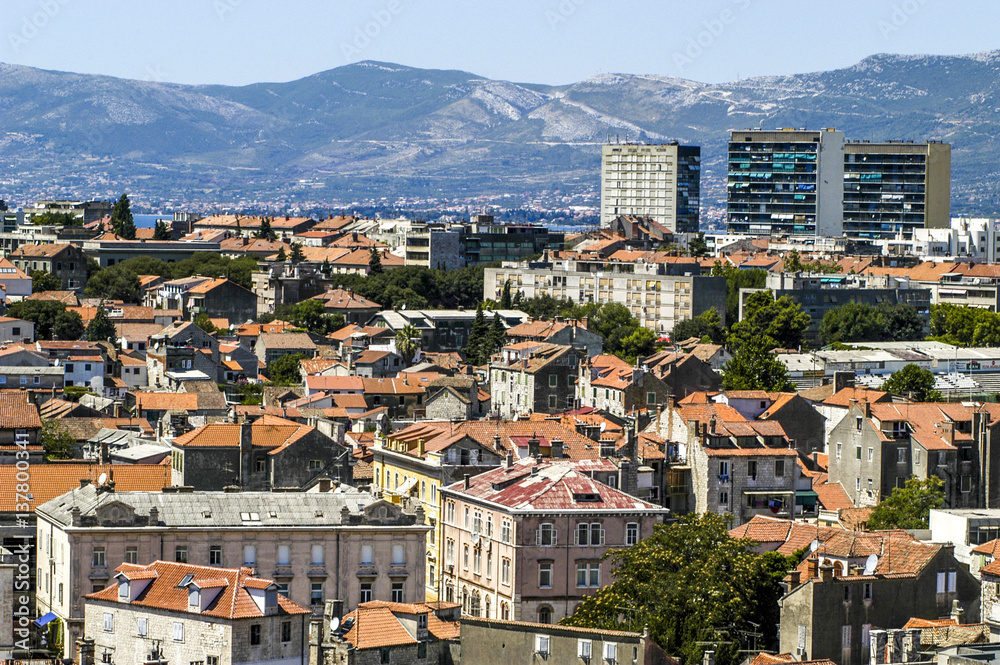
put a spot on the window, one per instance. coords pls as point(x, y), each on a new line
point(610, 652)
point(477, 523)
point(131, 554)
point(901, 455)
point(430, 575)
point(724, 469)
point(181, 554)
point(845, 637)
point(505, 531)
point(650, 398)
point(449, 552)
point(215, 555)
point(631, 533)
point(397, 592)
point(867, 591)
point(840, 448)
point(421, 650)
point(916, 457)
point(477, 561)
point(315, 464)
point(141, 628)
point(489, 564)
point(542, 641)
point(284, 555)
point(465, 557)
point(450, 512)
point(99, 560)
point(552, 401)
point(857, 422)
point(466, 517)
point(544, 575)
point(109, 622)
point(249, 555)
point(965, 483)
point(858, 484)
point(386, 651)
point(316, 593)
point(546, 535)
point(583, 649)
point(366, 592)
point(368, 555)
point(122, 588)
point(588, 574)
point(317, 555)
point(489, 525)
point(779, 468)
point(752, 469)
point(178, 631)
point(69, 367)
point(857, 452)
point(286, 631)
point(255, 634)
point(505, 571)
point(553, 380)
point(505, 611)
point(398, 555)
point(723, 498)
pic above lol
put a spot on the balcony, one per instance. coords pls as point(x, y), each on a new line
point(283, 570)
point(316, 570)
point(367, 570)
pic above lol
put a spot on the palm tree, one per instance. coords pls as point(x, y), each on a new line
point(408, 341)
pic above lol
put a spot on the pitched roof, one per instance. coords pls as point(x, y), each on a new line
point(267, 432)
point(18, 410)
point(165, 592)
point(40, 251)
point(542, 485)
point(989, 548)
point(286, 340)
point(844, 396)
point(54, 479)
point(832, 496)
point(376, 627)
point(789, 536)
point(440, 629)
point(344, 299)
point(165, 401)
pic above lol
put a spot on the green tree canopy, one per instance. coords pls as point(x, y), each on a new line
point(101, 328)
point(408, 341)
point(506, 302)
point(282, 256)
point(42, 280)
point(908, 507)
point(375, 262)
point(297, 256)
point(265, 232)
point(861, 322)
point(913, 382)
point(688, 582)
point(285, 370)
point(52, 218)
point(311, 315)
point(477, 349)
point(204, 321)
point(965, 326)
point(781, 322)
point(117, 282)
point(42, 313)
point(707, 324)
point(737, 279)
point(57, 441)
point(122, 222)
point(697, 246)
point(754, 367)
point(161, 231)
point(68, 326)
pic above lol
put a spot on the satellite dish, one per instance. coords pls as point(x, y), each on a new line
point(103, 479)
point(604, 426)
point(334, 624)
point(515, 417)
point(814, 545)
point(870, 563)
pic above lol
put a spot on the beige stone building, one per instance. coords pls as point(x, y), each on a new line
point(345, 545)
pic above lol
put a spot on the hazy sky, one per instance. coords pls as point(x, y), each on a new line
point(541, 41)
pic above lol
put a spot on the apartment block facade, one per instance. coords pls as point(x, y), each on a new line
point(660, 181)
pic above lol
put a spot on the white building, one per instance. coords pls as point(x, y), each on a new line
point(661, 181)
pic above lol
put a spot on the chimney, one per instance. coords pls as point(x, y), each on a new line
point(711, 425)
point(84, 482)
point(557, 449)
point(957, 613)
point(826, 571)
point(533, 444)
point(851, 403)
point(509, 460)
point(585, 322)
point(948, 432)
point(154, 516)
point(324, 484)
point(420, 447)
point(708, 658)
point(811, 567)
point(467, 483)
point(842, 380)
point(866, 406)
point(794, 577)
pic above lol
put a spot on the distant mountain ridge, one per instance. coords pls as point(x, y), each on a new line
point(375, 128)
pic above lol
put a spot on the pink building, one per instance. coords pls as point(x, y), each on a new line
point(524, 542)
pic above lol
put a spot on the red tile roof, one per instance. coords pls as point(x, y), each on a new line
point(266, 432)
point(56, 478)
point(234, 601)
point(18, 410)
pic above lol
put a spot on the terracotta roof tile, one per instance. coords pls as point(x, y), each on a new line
point(54, 479)
point(18, 410)
point(376, 627)
point(266, 432)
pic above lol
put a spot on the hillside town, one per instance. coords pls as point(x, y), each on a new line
point(250, 439)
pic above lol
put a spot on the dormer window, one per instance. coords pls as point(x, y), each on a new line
point(194, 598)
point(187, 580)
point(123, 590)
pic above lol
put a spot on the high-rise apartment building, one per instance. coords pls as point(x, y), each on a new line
point(812, 183)
point(896, 186)
point(785, 182)
point(661, 181)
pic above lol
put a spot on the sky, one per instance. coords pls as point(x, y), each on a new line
point(237, 42)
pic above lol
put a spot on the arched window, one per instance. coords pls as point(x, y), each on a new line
point(544, 614)
point(486, 607)
point(474, 607)
point(505, 611)
point(396, 482)
point(465, 600)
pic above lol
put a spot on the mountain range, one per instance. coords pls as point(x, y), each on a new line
point(374, 129)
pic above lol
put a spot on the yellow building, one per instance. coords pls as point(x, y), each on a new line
point(412, 465)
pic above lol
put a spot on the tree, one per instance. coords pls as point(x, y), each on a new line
point(117, 282)
point(204, 321)
point(498, 335)
point(697, 246)
point(853, 322)
point(707, 324)
point(687, 582)
point(326, 268)
point(408, 341)
point(42, 313)
point(3, 206)
point(792, 262)
point(735, 280)
point(754, 367)
point(282, 256)
point(265, 232)
point(903, 322)
point(639, 343)
point(375, 262)
point(42, 280)
point(161, 231)
point(965, 326)
point(908, 507)
point(68, 326)
point(57, 440)
point(913, 382)
point(506, 302)
point(476, 349)
point(782, 322)
point(122, 222)
point(297, 256)
point(285, 370)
